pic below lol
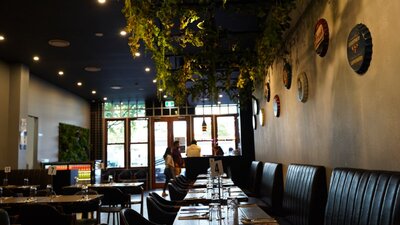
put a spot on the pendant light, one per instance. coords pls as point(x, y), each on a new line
point(204, 124)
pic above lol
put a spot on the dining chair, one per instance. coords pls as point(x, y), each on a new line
point(136, 194)
point(87, 209)
point(43, 214)
point(176, 193)
point(113, 201)
point(132, 217)
point(164, 201)
point(157, 214)
point(4, 219)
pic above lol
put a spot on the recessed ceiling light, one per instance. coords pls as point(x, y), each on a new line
point(98, 34)
point(137, 54)
point(36, 58)
point(2, 38)
point(59, 43)
point(122, 33)
point(155, 81)
point(147, 69)
point(101, 1)
point(220, 96)
point(160, 89)
point(141, 89)
point(79, 83)
point(92, 69)
point(105, 98)
point(60, 72)
point(219, 103)
point(116, 87)
point(93, 92)
point(165, 96)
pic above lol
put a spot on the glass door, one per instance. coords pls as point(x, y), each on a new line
point(165, 131)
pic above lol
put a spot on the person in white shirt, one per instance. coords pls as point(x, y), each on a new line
point(193, 150)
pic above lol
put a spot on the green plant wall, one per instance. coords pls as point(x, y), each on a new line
point(73, 143)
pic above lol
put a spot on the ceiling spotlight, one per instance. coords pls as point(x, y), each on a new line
point(98, 34)
point(220, 96)
point(122, 33)
point(147, 69)
point(165, 96)
point(219, 103)
point(101, 1)
point(105, 98)
point(79, 83)
point(137, 54)
point(59, 43)
point(94, 92)
point(160, 90)
point(60, 72)
point(92, 69)
point(36, 58)
point(155, 81)
point(116, 87)
point(2, 38)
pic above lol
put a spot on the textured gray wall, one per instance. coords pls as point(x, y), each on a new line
point(349, 119)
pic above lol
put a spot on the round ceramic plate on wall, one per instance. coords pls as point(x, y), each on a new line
point(267, 89)
point(321, 37)
point(302, 87)
point(276, 106)
point(287, 75)
point(261, 117)
point(359, 48)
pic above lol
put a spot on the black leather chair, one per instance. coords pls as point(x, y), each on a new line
point(176, 193)
point(164, 201)
point(131, 217)
point(270, 194)
point(304, 197)
point(253, 183)
point(88, 210)
point(363, 197)
point(43, 214)
point(156, 214)
point(4, 219)
point(112, 202)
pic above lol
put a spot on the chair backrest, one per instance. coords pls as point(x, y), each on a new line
point(271, 187)
point(4, 219)
point(113, 196)
point(305, 194)
point(131, 217)
point(158, 215)
point(175, 193)
point(255, 176)
point(363, 197)
point(43, 214)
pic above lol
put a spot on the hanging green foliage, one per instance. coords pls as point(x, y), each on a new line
point(211, 56)
point(73, 143)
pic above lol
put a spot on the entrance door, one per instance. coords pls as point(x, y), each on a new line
point(165, 131)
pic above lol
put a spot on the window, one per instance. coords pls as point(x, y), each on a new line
point(115, 143)
point(226, 133)
point(203, 138)
point(139, 156)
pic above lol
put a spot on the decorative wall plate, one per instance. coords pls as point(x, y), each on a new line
point(287, 75)
point(255, 122)
point(321, 37)
point(359, 48)
point(255, 105)
point(276, 106)
point(261, 117)
point(267, 89)
point(302, 87)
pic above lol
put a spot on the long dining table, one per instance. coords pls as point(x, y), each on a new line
point(247, 214)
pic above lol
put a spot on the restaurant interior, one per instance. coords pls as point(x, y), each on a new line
point(292, 103)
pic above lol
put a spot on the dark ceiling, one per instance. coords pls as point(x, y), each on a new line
point(29, 25)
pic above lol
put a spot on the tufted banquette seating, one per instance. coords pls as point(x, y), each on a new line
point(363, 197)
point(269, 197)
point(254, 178)
point(304, 197)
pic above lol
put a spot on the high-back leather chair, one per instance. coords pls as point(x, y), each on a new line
point(44, 214)
point(131, 217)
point(157, 214)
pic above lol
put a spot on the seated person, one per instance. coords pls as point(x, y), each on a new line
point(193, 150)
point(217, 150)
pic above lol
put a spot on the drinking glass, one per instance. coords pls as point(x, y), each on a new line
point(1, 194)
point(26, 181)
point(232, 205)
point(215, 212)
point(110, 179)
point(49, 187)
point(32, 192)
point(5, 181)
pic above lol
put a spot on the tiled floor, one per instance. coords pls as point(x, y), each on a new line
point(135, 207)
